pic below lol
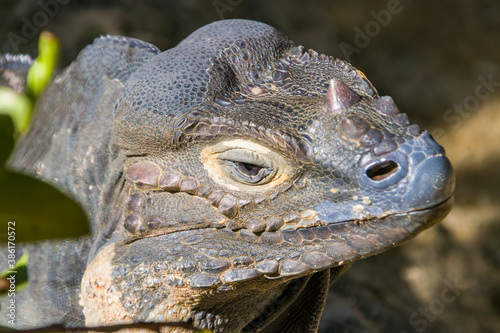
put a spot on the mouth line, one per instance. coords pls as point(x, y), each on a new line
point(319, 223)
point(382, 217)
point(169, 231)
point(441, 203)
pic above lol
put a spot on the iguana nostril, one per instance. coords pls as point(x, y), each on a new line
point(388, 169)
point(382, 170)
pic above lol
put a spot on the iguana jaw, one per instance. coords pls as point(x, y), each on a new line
point(443, 205)
point(342, 242)
point(397, 228)
point(347, 241)
point(185, 265)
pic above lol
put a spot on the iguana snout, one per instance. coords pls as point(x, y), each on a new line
point(416, 176)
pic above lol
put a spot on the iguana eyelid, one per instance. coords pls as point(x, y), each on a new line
point(264, 175)
point(245, 156)
point(231, 157)
point(276, 168)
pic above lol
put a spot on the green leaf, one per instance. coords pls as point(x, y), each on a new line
point(42, 68)
point(17, 106)
point(21, 269)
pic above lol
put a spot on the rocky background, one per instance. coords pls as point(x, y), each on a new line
point(440, 61)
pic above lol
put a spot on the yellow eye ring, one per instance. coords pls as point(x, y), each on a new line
point(246, 166)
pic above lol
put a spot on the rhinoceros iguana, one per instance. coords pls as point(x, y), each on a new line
point(229, 181)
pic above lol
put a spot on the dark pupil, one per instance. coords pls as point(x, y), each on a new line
point(248, 169)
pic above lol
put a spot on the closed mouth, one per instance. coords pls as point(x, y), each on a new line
point(441, 208)
point(442, 204)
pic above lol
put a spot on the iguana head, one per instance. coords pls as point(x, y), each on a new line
point(250, 159)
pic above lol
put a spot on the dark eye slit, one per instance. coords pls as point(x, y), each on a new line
point(248, 168)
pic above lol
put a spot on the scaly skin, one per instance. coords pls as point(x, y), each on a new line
point(229, 180)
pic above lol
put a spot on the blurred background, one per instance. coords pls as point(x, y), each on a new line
point(440, 61)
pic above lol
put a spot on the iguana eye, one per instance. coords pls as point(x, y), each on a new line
point(247, 166)
point(242, 165)
point(248, 169)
